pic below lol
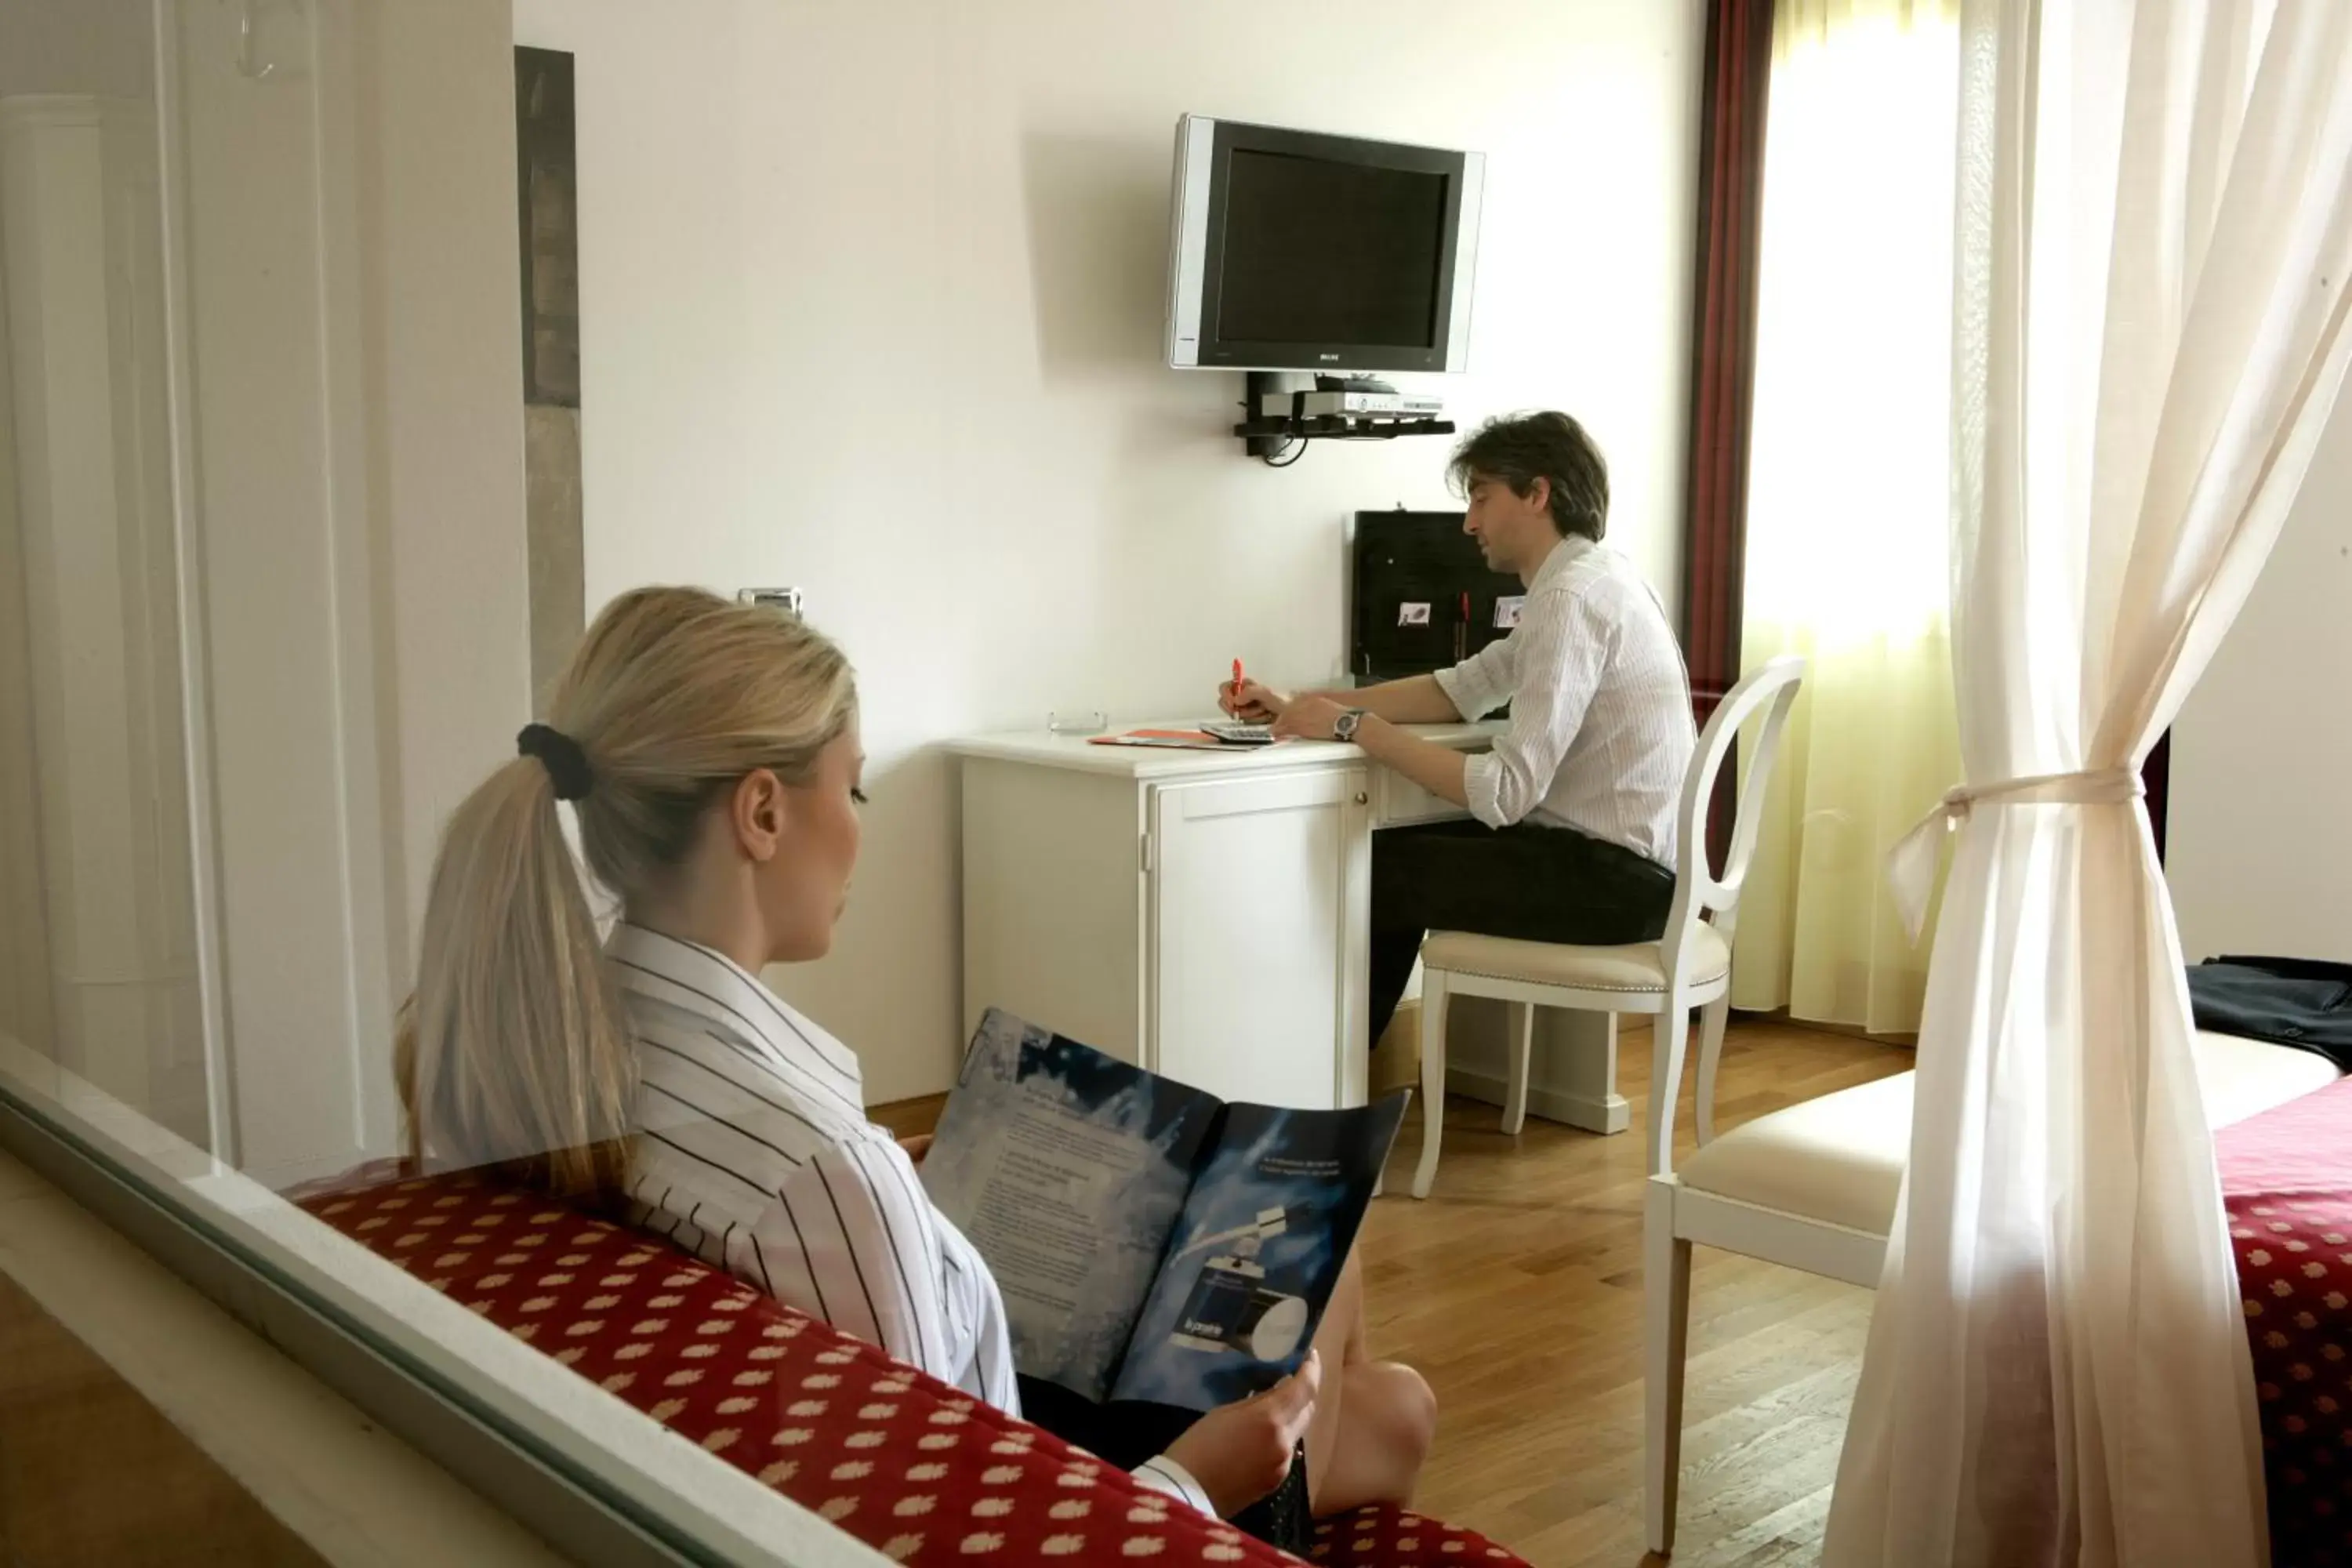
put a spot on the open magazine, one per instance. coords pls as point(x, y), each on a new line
point(1151, 1241)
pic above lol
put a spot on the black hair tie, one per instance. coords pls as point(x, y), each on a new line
point(560, 754)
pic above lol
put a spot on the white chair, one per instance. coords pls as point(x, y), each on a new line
point(1690, 967)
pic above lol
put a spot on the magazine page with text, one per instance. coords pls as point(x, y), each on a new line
point(1066, 1168)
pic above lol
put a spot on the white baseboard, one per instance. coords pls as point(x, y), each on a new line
point(1610, 1115)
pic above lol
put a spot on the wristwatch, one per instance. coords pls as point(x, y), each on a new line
point(1343, 728)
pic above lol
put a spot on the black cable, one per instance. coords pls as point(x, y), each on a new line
point(1297, 442)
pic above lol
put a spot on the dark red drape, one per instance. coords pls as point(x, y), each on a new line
point(1723, 353)
point(2156, 777)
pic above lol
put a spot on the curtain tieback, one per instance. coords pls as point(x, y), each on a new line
point(1911, 864)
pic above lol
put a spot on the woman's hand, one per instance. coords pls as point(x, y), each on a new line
point(1252, 702)
point(917, 1145)
point(1241, 1451)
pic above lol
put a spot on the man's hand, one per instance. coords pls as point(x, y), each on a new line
point(1252, 702)
point(917, 1145)
point(1308, 717)
point(1241, 1451)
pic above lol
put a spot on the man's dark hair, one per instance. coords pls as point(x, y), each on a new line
point(1520, 449)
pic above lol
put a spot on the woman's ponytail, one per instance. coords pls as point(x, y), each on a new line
point(513, 1053)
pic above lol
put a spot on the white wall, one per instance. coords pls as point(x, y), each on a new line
point(2259, 848)
point(105, 47)
point(871, 301)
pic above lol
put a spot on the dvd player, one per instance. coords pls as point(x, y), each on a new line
point(1350, 405)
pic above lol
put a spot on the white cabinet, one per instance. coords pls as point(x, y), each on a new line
point(1256, 947)
point(1203, 913)
point(1206, 913)
point(1398, 801)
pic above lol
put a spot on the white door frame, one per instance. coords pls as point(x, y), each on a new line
point(278, 565)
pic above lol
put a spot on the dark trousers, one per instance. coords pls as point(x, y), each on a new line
point(1539, 884)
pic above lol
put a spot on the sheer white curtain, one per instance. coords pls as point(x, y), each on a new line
point(2153, 230)
point(1849, 496)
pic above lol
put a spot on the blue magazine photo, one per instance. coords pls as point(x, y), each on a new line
point(1151, 1241)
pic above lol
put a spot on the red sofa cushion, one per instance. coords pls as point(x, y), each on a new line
point(922, 1472)
point(1379, 1537)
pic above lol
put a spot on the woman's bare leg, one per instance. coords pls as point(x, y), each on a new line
point(1373, 1420)
point(1340, 1338)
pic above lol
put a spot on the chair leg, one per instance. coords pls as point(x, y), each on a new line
point(1666, 1291)
point(1523, 1039)
point(1432, 1077)
point(1669, 1039)
point(1712, 1018)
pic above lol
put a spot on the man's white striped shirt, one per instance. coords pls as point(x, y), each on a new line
point(1601, 731)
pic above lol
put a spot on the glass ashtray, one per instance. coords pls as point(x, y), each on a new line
point(1079, 722)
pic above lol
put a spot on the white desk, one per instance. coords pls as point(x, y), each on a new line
point(1206, 914)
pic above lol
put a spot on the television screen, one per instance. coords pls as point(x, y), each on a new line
point(1321, 252)
point(1296, 250)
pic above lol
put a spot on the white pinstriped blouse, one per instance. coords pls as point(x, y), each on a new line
point(754, 1152)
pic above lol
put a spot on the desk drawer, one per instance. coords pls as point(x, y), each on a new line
point(1398, 801)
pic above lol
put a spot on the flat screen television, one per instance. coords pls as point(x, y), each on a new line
point(1294, 251)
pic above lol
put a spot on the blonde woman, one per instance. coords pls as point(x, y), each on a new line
point(710, 750)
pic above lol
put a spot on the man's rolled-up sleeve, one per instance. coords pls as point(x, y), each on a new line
point(1481, 683)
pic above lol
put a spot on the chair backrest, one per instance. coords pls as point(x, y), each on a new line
point(1698, 891)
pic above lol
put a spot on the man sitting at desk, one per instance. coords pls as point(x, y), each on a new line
point(1573, 840)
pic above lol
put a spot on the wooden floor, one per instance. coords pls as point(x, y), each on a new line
point(1516, 1288)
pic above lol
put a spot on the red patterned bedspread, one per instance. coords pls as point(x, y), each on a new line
point(2287, 1178)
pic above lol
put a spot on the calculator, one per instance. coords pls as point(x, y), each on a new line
point(1233, 733)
